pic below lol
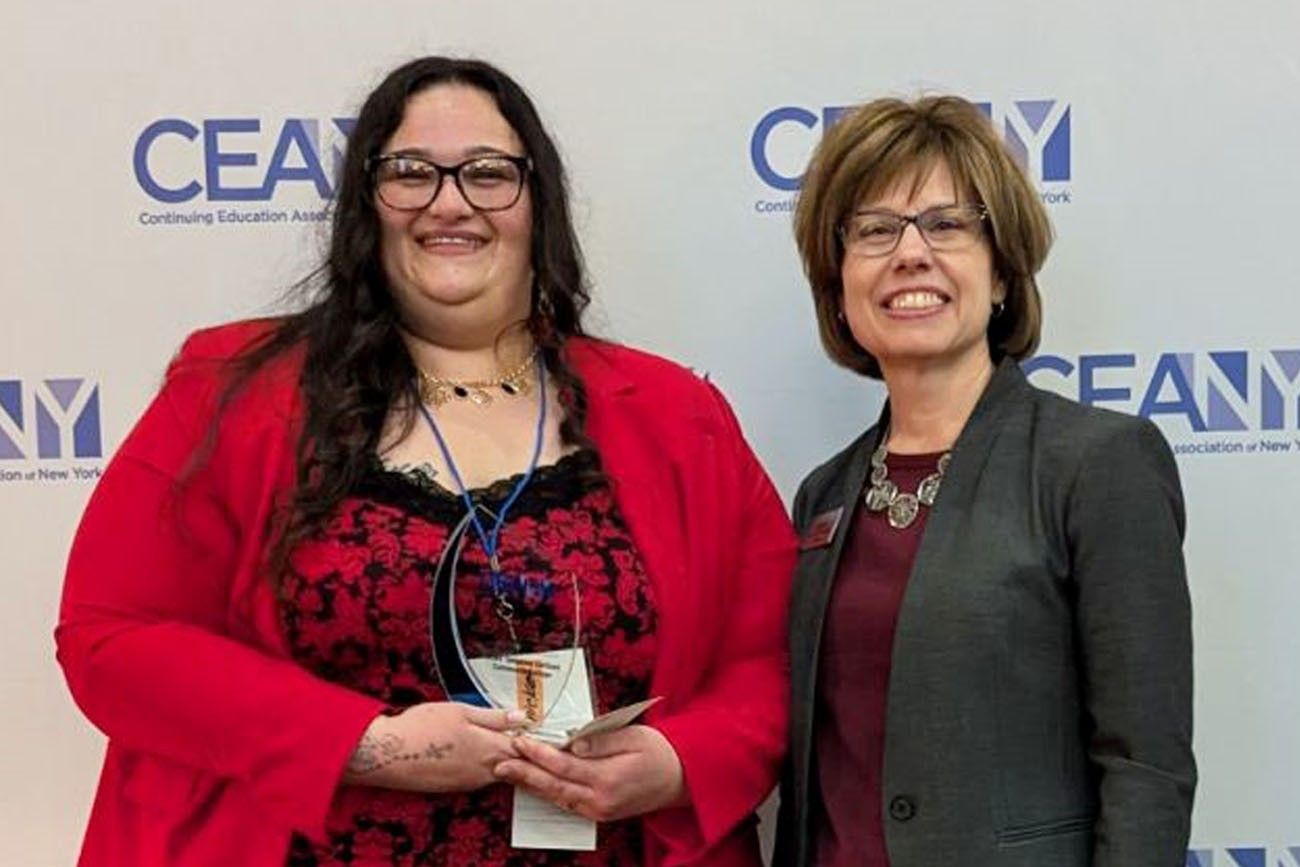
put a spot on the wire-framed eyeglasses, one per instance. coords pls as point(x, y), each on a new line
point(406, 182)
point(945, 228)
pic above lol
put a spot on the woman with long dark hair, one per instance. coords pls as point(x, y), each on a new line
point(250, 610)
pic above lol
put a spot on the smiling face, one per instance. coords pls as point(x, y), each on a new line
point(915, 308)
point(458, 276)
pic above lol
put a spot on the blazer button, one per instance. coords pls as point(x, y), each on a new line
point(902, 808)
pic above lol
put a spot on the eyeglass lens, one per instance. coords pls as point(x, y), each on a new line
point(411, 183)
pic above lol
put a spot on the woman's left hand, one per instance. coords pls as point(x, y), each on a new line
point(604, 777)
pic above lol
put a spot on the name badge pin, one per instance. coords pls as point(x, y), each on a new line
point(822, 530)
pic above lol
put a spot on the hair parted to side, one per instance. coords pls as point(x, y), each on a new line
point(356, 367)
point(890, 141)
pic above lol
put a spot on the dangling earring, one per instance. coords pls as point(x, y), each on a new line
point(545, 307)
point(543, 311)
point(998, 309)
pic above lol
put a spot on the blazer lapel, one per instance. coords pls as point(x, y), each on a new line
point(969, 456)
point(818, 576)
point(640, 471)
point(814, 579)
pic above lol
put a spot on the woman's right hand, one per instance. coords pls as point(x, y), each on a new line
point(439, 746)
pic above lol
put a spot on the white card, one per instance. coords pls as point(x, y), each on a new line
point(539, 824)
point(612, 721)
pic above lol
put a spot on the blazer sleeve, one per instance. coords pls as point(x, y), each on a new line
point(144, 633)
point(1125, 526)
point(731, 736)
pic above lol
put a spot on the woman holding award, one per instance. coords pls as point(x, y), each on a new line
point(429, 485)
point(991, 638)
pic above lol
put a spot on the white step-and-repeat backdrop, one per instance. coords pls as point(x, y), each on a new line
point(166, 166)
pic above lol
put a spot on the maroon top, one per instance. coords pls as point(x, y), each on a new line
point(356, 611)
point(853, 677)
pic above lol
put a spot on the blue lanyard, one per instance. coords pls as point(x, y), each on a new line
point(491, 540)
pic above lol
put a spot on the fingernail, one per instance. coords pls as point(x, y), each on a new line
point(515, 717)
point(580, 748)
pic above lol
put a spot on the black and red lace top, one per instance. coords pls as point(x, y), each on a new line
point(356, 612)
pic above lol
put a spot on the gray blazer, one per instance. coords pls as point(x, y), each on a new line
point(1040, 695)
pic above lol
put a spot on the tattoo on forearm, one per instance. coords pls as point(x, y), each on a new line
point(374, 753)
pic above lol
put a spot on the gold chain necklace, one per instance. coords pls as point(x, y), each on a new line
point(515, 382)
point(884, 496)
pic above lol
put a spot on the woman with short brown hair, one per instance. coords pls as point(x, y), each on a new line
point(990, 625)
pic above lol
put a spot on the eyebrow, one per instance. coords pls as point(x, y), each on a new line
point(469, 154)
point(893, 213)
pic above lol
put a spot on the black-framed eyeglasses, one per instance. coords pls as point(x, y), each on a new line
point(492, 182)
point(945, 228)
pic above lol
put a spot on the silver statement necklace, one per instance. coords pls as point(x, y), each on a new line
point(901, 508)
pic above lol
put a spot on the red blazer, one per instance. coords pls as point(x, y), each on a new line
point(220, 745)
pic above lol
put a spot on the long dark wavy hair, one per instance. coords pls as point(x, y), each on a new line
point(356, 367)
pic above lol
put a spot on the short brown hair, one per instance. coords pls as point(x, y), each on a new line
point(882, 143)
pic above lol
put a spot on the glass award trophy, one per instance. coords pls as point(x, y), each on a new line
point(488, 650)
